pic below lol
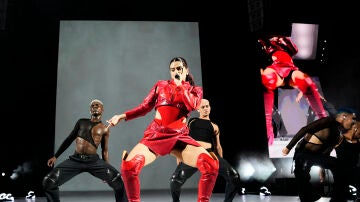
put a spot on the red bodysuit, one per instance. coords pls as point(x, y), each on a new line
point(174, 103)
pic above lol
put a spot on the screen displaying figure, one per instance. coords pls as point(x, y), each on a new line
point(290, 113)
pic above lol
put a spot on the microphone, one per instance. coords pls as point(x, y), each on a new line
point(177, 76)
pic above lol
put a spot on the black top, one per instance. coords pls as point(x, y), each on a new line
point(82, 129)
point(326, 129)
point(202, 130)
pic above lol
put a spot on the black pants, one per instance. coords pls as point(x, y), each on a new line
point(184, 172)
point(303, 163)
point(77, 164)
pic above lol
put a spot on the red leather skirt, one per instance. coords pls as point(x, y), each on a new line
point(161, 139)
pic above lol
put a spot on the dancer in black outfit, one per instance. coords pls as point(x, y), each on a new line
point(316, 141)
point(207, 133)
point(88, 135)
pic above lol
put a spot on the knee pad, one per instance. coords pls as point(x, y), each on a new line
point(207, 164)
point(178, 177)
point(269, 80)
point(233, 175)
point(116, 182)
point(133, 166)
point(111, 174)
point(51, 180)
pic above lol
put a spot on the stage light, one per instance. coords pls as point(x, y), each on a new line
point(246, 170)
point(315, 175)
point(14, 176)
point(255, 166)
point(22, 169)
point(305, 36)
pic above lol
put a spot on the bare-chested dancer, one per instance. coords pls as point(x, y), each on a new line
point(88, 135)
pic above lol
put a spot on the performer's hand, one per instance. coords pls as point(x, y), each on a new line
point(180, 76)
point(51, 161)
point(282, 40)
point(299, 96)
point(115, 120)
point(285, 151)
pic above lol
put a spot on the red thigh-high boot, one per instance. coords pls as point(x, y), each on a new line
point(269, 104)
point(269, 81)
point(311, 93)
point(130, 173)
point(209, 168)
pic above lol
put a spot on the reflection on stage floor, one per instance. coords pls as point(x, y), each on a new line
point(163, 196)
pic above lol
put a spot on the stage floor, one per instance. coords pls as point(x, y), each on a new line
point(163, 196)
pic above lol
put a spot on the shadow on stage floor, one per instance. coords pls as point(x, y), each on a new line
point(162, 196)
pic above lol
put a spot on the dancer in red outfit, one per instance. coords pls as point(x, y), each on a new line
point(282, 73)
point(168, 133)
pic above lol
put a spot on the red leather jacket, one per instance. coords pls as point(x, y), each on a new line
point(165, 92)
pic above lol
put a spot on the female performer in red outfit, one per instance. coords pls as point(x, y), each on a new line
point(173, 100)
point(282, 73)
